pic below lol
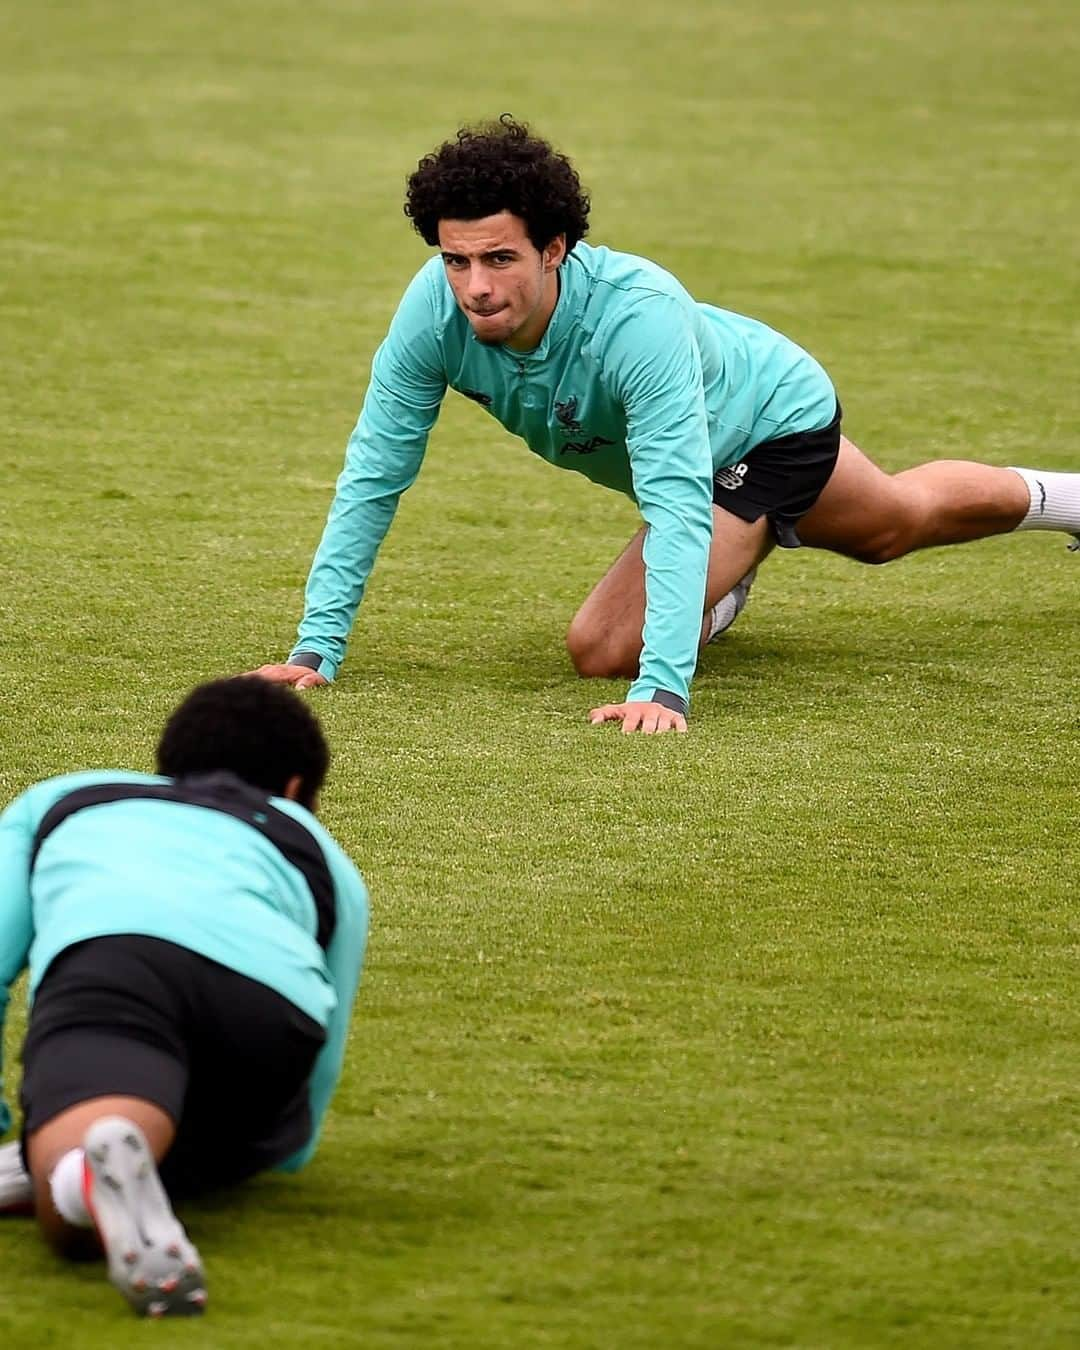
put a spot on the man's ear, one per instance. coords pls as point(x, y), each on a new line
point(293, 788)
point(554, 253)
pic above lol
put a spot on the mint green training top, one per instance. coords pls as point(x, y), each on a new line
point(192, 875)
point(635, 385)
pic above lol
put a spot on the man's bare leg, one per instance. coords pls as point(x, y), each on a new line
point(604, 639)
point(94, 1167)
point(65, 1132)
point(873, 516)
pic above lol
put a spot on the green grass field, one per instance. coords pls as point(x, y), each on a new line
point(763, 1036)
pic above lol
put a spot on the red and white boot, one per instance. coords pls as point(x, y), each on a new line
point(151, 1259)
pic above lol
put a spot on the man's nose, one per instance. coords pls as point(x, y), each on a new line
point(479, 281)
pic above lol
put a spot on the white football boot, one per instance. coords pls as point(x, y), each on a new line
point(151, 1259)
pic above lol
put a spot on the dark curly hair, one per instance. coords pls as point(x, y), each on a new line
point(493, 167)
point(262, 732)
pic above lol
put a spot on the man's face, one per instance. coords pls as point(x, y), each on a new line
point(505, 286)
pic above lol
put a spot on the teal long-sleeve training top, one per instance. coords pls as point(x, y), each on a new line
point(262, 889)
point(635, 384)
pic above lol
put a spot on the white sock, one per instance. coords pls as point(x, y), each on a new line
point(722, 615)
point(66, 1184)
point(727, 609)
point(1055, 500)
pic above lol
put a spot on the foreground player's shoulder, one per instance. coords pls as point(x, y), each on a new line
point(41, 797)
point(348, 882)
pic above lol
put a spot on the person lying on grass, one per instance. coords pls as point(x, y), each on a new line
point(195, 940)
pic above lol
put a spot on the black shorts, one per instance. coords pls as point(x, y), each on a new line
point(781, 479)
point(227, 1058)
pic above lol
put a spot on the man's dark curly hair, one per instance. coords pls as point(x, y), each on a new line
point(262, 732)
point(493, 167)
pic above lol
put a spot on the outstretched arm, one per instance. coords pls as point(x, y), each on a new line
point(344, 958)
point(654, 366)
point(383, 457)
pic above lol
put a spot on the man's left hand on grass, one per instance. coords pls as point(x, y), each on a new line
point(647, 717)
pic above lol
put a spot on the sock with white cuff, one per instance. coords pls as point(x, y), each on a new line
point(67, 1187)
point(1055, 500)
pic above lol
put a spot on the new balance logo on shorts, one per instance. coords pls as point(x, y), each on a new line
point(731, 477)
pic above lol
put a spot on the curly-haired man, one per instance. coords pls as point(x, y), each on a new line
point(725, 433)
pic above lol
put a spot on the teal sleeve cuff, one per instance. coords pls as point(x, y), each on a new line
point(295, 1161)
point(322, 665)
point(665, 697)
